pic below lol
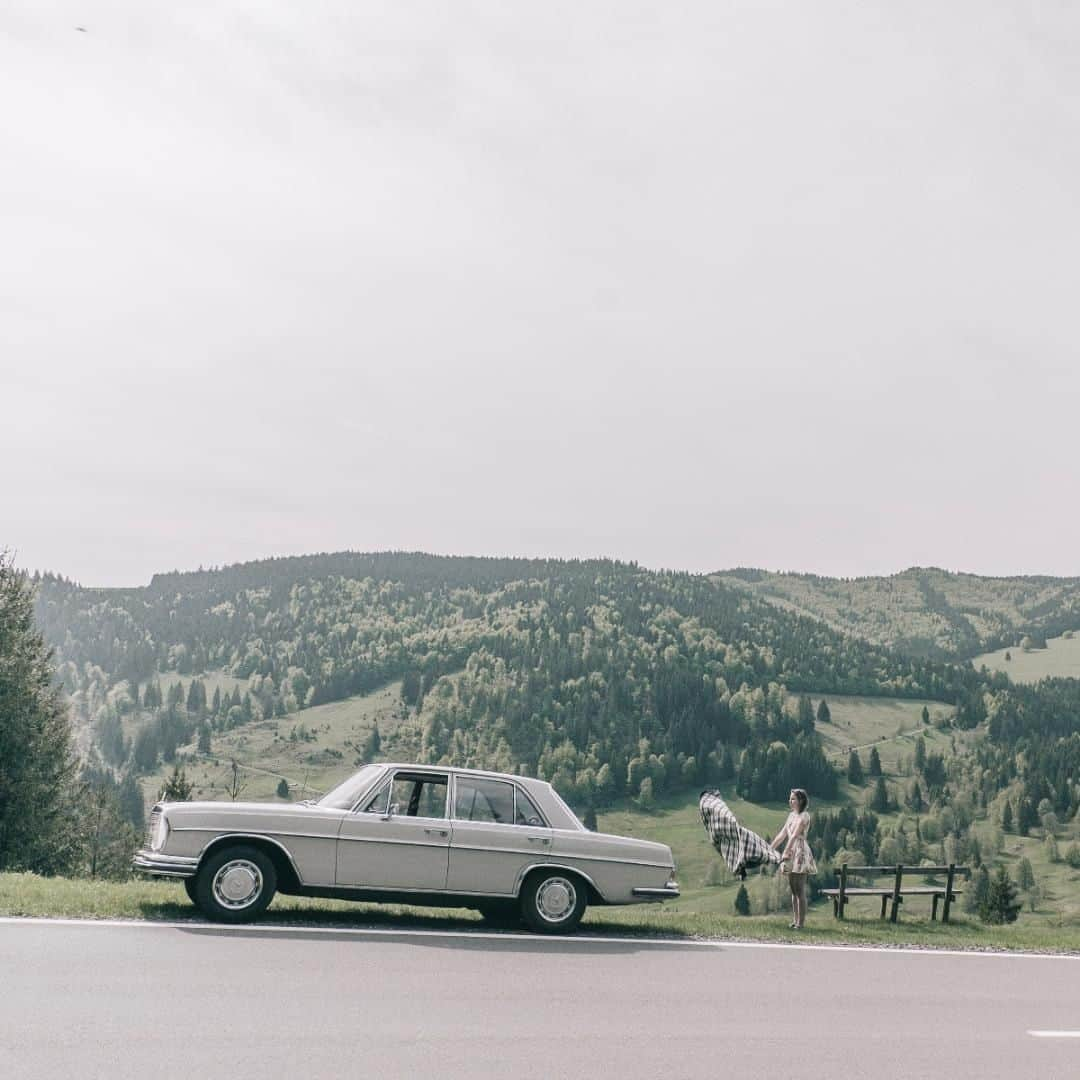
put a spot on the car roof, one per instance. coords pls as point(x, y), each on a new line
point(461, 770)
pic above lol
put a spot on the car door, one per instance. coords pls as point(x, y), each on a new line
point(497, 834)
point(399, 838)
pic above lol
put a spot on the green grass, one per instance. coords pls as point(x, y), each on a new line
point(890, 724)
point(1060, 658)
point(28, 895)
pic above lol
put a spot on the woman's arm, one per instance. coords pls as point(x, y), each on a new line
point(780, 835)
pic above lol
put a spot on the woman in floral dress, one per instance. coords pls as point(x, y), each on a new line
point(798, 862)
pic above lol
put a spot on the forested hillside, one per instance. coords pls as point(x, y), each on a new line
point(615, 682)
point(926, 612)
point(570, 668)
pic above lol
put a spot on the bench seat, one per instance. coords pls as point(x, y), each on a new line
point(938, 892)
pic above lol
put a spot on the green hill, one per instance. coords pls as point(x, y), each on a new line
point(924, 612)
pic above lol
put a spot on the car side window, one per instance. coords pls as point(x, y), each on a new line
point(376, 804)
point(418, 795)
point(484, 800)
point(526, 813)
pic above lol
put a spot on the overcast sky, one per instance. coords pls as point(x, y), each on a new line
point(777, 284)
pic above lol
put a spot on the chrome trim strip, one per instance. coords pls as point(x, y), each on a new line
point(611, 858)
point(659, 894)
point(403, 843)
point(252, 832)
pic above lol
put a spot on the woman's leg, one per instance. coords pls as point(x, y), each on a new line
point(800, 917)
point(793, 884)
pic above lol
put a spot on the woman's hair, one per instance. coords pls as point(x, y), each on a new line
point(801, 798)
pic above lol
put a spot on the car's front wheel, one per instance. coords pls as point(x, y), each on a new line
point(191, 888)
point(235, 884)
point(553, 902)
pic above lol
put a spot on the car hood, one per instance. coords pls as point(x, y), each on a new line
point(262, 817)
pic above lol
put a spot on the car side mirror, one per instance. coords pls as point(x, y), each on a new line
point(391, 810)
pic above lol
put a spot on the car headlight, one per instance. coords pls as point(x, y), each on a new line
point(160, 833)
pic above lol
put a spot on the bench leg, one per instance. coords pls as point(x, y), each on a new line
point(884, 902)
point(933, 911)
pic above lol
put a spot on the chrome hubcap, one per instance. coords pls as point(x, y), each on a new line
point(237, 884)
point(555, 899)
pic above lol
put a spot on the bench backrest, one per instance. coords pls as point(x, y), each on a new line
point(877, 870)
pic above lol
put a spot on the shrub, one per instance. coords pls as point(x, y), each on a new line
point(742, 901)
point(1000, 905)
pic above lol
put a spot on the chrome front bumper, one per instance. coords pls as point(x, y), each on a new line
point(177, 866)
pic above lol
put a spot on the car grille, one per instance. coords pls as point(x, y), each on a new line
point(154, 815)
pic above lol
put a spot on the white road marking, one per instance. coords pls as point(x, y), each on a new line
point(467, 935)
point(1055, 1034)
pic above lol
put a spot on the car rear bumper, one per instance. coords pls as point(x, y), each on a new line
point(668, 892)
point(175, 866)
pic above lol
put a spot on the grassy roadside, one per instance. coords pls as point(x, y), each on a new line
point(28, 895)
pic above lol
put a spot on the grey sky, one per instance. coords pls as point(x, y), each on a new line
point(704, 284)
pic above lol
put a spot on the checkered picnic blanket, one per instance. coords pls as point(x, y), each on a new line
point(741, 849)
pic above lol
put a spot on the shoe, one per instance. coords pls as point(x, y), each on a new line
point(792, 926)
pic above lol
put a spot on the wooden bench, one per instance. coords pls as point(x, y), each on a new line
point(896, 893)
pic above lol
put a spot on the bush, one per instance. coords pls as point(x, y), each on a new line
point(742, 901)
point(1072, 855)
point(283, 788)
point(1000, 905)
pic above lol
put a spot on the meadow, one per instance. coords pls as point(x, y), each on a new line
point(1060, 659)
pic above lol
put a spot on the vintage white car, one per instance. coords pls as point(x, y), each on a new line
point(506, 845)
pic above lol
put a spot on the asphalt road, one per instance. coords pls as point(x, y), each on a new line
point(119, 1001)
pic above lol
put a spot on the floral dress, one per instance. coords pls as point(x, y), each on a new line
point(798, 858)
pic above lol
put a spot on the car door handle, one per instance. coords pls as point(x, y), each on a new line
point(437, 832)
point(539, 840)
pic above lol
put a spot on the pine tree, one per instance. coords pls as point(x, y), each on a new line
point(38, 824)
point(204, 743)
point(879, 800)
point(589, 820)
point(1000, 905)
point(875, 762)
point(823, 714)
point(109, 837)
point(920, 753)
point(742, 901)
point(1025, 876)
point(925, 715)
point(1007, 817)
point(1027, 817)
point(806, 715)
point(978, 891)
point(915, 801)
point(855, 769)
point(177, 788)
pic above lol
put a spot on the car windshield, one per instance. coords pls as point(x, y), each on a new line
point(344, 796)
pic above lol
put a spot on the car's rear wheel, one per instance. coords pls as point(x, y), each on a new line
point(553, 902)
point(235, 884)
